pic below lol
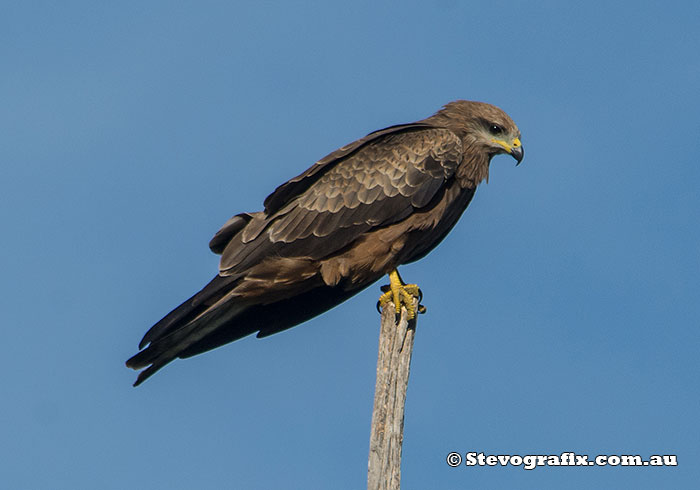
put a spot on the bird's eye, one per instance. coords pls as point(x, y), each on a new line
point(495, 129)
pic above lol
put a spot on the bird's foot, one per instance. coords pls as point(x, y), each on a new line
point(401, 294)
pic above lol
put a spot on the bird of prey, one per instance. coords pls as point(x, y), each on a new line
point(355, 215)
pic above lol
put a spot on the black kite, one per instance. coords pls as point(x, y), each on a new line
point(385, 200)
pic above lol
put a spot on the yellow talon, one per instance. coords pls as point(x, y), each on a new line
point(401, 295)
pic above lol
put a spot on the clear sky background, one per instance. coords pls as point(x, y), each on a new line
point(562, 310)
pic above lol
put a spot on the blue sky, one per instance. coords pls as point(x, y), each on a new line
point(562, 310)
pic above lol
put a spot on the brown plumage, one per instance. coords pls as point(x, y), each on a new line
point(384, 200)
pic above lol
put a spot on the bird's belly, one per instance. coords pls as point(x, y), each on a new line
point(431, 227)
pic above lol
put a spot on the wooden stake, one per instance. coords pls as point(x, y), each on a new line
point(393, 367)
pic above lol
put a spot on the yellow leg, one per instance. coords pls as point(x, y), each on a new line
point(401, 295)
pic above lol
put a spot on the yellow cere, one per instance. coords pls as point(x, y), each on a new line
point(516, 144)
point(504, 144)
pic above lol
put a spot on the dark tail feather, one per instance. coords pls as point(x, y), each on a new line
point(193, 328)
point(148, 372)
point(166, 348)
point(190, 309)
point(272, 318)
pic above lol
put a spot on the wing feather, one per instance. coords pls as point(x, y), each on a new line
point(228, 231)
point(303, 181)
point(380, 182)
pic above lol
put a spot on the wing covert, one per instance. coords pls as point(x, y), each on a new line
point(381, 183)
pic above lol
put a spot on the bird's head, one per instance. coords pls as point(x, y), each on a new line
point(486, 127)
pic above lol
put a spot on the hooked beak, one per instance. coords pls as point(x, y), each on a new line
point(515, 149)
point(517, 153)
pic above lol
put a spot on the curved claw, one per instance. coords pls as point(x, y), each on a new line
point(401, 295)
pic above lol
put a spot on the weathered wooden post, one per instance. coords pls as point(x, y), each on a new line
point(393, 367)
